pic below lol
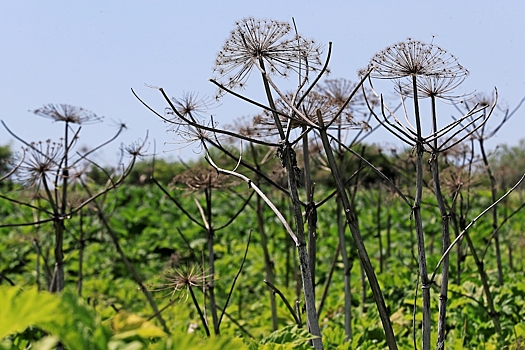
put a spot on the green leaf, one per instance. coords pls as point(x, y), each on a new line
point(22, 308)
point(126, 325)
point(519, 329)
point(294, 336)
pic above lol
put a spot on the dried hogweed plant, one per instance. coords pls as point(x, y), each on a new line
point(420, 71)
point(273, 49)
point(54, 170)
point(208, 182)
point(481, 133)
point(269, 45)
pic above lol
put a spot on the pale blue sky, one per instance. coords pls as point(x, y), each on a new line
point(90, 54)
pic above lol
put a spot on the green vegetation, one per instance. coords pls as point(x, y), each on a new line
point(298, 239)
point(158, 238)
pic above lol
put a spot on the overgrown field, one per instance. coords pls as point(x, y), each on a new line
point(291, 232)
point(167, 250)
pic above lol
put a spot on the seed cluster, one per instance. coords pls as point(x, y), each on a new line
point(268, 44)
point(42, 159)
point(67, 113)
point(413, 57)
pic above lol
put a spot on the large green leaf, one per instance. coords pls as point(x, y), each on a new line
point(22, 308)
point(127, 325)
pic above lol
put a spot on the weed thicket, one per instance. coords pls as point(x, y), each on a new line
point(319, 202)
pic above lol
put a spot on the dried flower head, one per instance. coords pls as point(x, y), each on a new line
point(309, 106)
point(457, 178)
point(181, 279)
point(480, 99)
point(415, 58)
point(68, 114)
point(137, 148)
point(339, 90)
point(42, 160)
point(432, 86)
point(247, 126)
point(192, 108)
point(268, 44)
point(199, 177)
point(190, 105)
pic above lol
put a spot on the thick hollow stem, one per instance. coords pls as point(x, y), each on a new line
point(268, 263)
point(358, 239)
point(347, 270)
point(289, 161)
point(311, 209)
point(416, 211)
point(485, 283)
point(210, 238)
point(445, 238)
point(494, 211)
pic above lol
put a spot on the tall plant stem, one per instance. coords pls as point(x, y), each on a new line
point(347, 263)
point(199, 311)
point(378, 227)
point(416, 211)
point(290, 163)
point(347, 270)
point(134, 274)
point(81, 248)
point(328, 281)
point(57, 280)
point(445, 236)
point(210, 238)
point(485, 283)
point(358, 239)
point(58, 276)
point(268, 265)
point(311, 209)
point(494, 210)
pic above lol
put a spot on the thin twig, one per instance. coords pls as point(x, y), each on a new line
point(235, 279)
point(472, 223)
point(290, 308)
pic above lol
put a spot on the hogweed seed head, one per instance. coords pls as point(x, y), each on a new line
point(415, 58)
point(432, 86)
point(199, 177)
point(67, 113)
point(338, 91)
point(42, 159)
point(191, 107)
point(181, 279)
point(268, 41)
point(309, 106)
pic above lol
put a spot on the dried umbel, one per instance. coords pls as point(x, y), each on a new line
point(181, 279)
point(42, 160)
point(356, 110)
point(270, 45)
point(432, 86)
point(415, 58)
point(339, 90)
point(192, 106)
point(136, 149)
point(480, 99)
point(67, 113)
point(308, 107)
point(187, 118)
point(199, 177)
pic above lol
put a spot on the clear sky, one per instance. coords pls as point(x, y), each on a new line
point(91, 53)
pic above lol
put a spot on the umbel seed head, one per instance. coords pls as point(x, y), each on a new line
point(270, 45)
point(415, 58)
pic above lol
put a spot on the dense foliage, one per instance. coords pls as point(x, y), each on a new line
point(158, 239)
point(300, 237)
